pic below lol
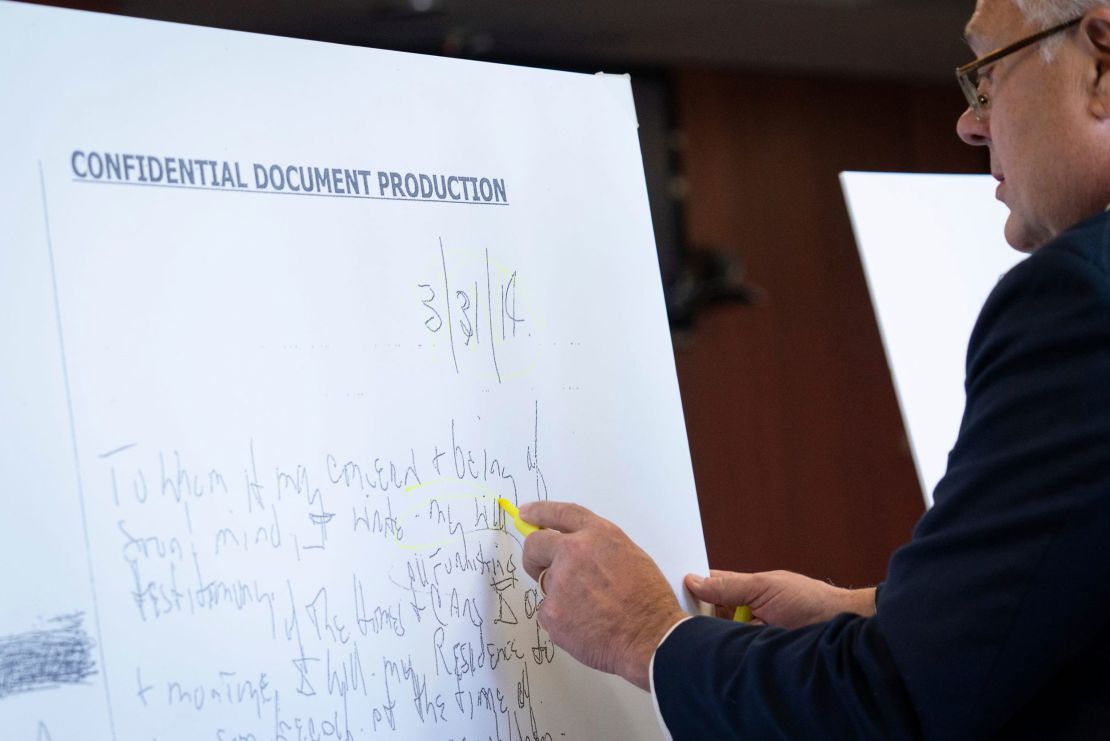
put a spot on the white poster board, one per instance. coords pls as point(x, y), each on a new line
point(932, 249)
point(279, 321)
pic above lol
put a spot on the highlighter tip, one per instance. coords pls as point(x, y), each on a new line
point(525, 528)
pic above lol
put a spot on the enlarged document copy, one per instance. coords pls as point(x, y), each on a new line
point(280, 321)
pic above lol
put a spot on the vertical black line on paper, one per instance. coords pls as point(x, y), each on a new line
point(73, 441)
point(489, 308)
point(447, 298)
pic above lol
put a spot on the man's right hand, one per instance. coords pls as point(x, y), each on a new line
point(780, 598)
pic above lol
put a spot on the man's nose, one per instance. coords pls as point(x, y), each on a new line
point(974, 131)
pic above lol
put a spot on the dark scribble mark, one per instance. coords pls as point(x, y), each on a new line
point(44, 659)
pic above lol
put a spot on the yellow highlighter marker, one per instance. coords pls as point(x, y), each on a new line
point(525, 528)
point(743, 614)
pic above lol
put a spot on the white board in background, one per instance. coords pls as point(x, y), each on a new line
point(932, 249)
point(255, 437)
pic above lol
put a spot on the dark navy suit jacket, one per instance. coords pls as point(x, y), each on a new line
point(994, 621)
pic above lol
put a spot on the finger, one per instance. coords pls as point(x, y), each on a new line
point(724, 588)
point(539, 551)
point(562, 516)
point(541, 613)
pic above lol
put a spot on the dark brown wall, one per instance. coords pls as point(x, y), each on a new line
point(798, 447)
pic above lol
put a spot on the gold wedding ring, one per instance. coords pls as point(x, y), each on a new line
point(542, 575)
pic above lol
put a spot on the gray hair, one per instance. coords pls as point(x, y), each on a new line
point(1048, 13)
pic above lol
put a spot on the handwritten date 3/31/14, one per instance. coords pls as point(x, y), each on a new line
point(477, 308)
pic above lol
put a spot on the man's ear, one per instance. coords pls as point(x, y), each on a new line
point(1095, 31)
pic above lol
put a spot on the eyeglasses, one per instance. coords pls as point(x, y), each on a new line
point(968, 75)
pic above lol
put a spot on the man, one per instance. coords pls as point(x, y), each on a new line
point(994, 621)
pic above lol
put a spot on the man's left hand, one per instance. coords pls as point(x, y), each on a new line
point(606, 603)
